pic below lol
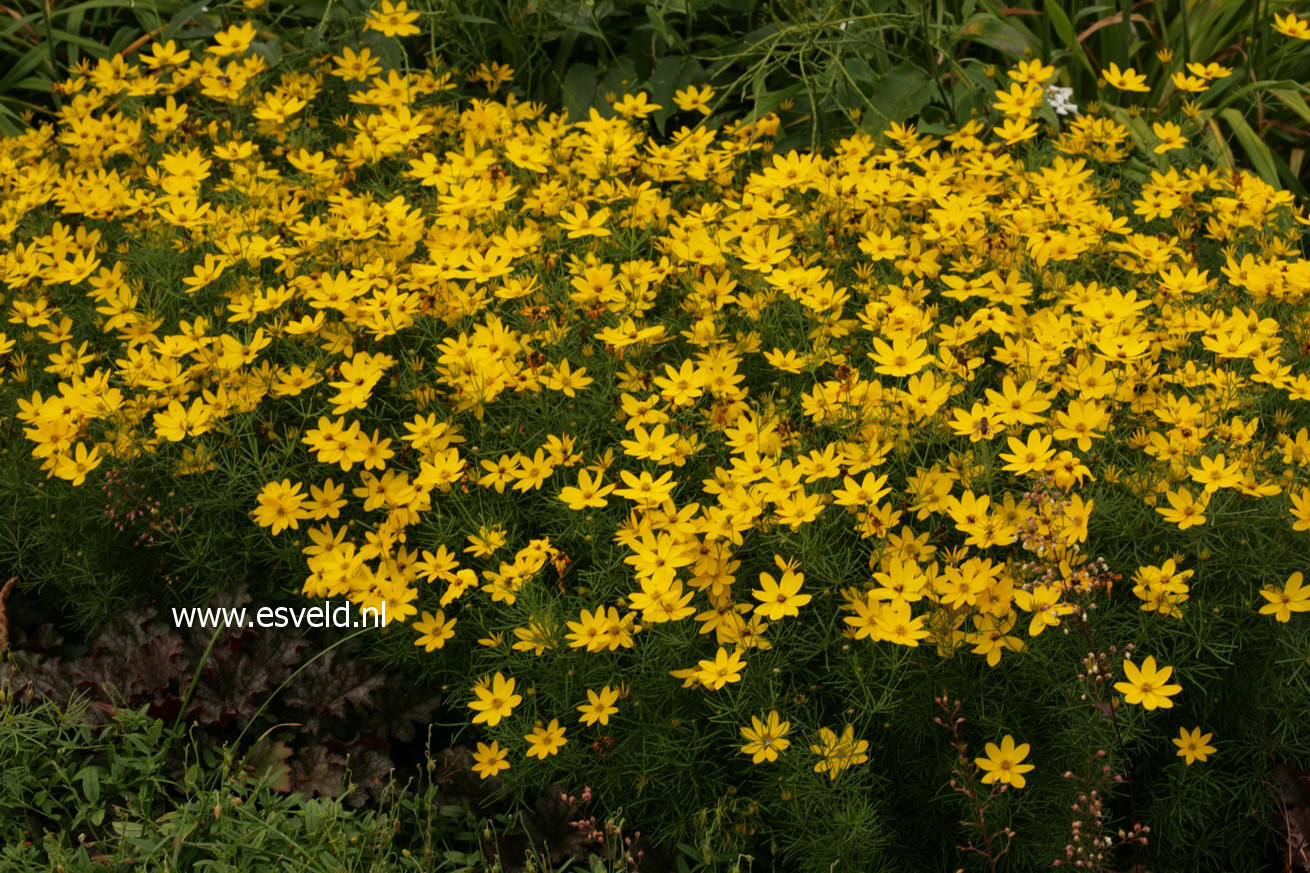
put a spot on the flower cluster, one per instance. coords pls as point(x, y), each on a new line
point(649, 422)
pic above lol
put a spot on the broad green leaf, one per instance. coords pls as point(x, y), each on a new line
point(1060, 21)
point(769, 101)
point(1292, 101)
point(1288, 175)
point(82, 8)
point(670, 74)
point(90, 778)
point(902, 92)
point(28, 62)
point(11, 26)
point(10, 123)
point(1256, 150)
point(620, 78)
point(1064, 30)
point(991, 31)
point(93, 47)
point(178, 21)
point(580, 89)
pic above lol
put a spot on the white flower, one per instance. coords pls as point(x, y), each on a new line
point(1058, 99)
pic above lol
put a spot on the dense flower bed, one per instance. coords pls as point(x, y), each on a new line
point(696, 471)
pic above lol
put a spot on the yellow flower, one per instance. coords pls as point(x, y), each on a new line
point(165, 55)
point(1300, 510)
point(589, 493)
point(1189, 84)
point(1193, 745)
point(1020, 101)
point(599, 706)
point(74, 467)
point(1171, 137)
point(492, 75)
point(656, 445)
point(490, 760)
point(839, 753)
point(780, 598)
point(579, 223)
point(1032, 71)
point(765, 739)
point(434, 630)
point(392, 19)
point(694, 99)
point(1286, 599)
point(495, 700)
point(1183, 510)
point(280, 505)
point(1029, 457)
point(1291, 25)
point(545, 740)
point(486, 542)
point(178, 421)
point(233, 41)
point(720, 671)
point(645, 489)
point(635, 106)
point(903, 357)
point(1015, 130)
point(1004, 763)
point(1148, 686)
point(681, 386)
point(1125, 80)
point(1215, 473)
point(355, 66)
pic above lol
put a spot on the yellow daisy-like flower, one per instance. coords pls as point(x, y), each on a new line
point(545, 739)
point(1171, 137)
point(1193, 745)
point(766, 738)
point(599, 706)
point(1125, 80)
point(434, 630)
point(1004, 763)
point(1290, 25)
point(1283, 600)
point(1148, 686)
point(490, 760)
point(495, 700)
point(392, 19)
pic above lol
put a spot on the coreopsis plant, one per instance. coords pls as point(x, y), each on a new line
point(647, 445)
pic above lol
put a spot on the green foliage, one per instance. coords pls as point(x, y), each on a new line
point(41, 41)
point(54, 767)
point(836, 65)
point(1262, 112)
point(840, 66)
point(314, 702)
point(78, 797)
point(81, 792)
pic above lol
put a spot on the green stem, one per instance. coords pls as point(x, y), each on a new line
point(285, 682)
point(191, 689)
point(1187, 30)
point(50, 49)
